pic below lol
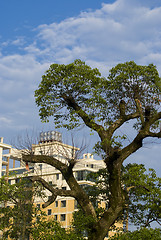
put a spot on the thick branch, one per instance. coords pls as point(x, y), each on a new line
point(45, 159)
point(89, 122)
point(139, 107)
point(118, 123)
point(51, 199)
point(55, 192)
point(58, 192)
point(137, 142)
point(133, 146)
point(154, 118)
point(76, 191)
point(122, 108)
point(114, 160)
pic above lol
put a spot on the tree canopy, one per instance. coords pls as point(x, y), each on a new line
point(144, 194)
point(142, 234)
point(76, 94)
point(69, 92)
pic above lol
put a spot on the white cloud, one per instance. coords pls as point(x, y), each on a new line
point(19, 77)
point(121, 31)
point(5, 120)
point(19, 41)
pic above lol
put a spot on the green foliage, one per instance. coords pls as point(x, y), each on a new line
point(142, 204)
point(100, 191)
point(97, 96)
point(50, 229)
point(142, 234)
point(129, 81)
point(17, 210)
point(77, 80)
point(82, 224)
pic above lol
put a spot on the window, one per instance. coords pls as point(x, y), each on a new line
point(81, 175)
point(17, 180)
point(50, 183)
point(9, 181)
point(62, 217)
point(57, 176)
point(49, 211)
point(64, 188)
point(85, 187)
point(55, 217)
point(40, 166)
point(63, 203)
point(56, 203)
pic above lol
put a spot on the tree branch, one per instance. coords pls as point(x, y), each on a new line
point(137, 142)
point(133, 146)
point(158, 135)
point(45, 159)
point(154, 118)
point(51, 199)
point(122, 108)
point(158, 222)
point(118, 123)
point(55, 192)
point(139, 107)
point(89, 122)
point(139, 186)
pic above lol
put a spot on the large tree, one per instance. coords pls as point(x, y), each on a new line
point(76, 94)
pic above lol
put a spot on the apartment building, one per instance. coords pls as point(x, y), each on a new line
point(50, 143)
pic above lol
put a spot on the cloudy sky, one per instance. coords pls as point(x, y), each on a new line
point(34, 34)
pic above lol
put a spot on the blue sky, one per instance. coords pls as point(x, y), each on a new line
point(34, 34)
point(18, 17)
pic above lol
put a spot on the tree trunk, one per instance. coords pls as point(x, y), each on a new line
point(116, 202)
